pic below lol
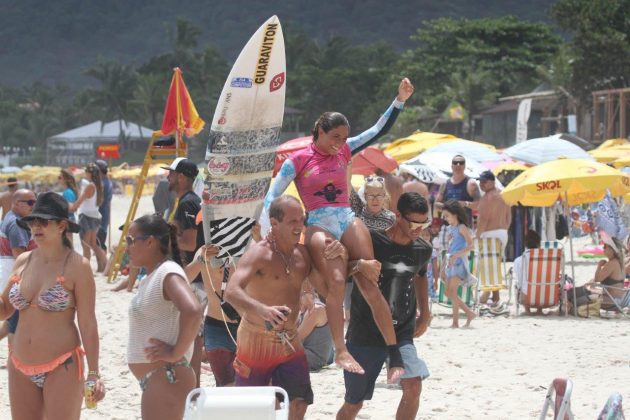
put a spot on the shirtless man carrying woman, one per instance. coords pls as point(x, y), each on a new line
point(265, 289)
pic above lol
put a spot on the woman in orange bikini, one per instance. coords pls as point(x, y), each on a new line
point(50, 286)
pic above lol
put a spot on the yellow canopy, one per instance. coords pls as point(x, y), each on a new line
point(610, 154)
point(612, 143)
point(622, 162)
point(577, 181)
point(410, 147)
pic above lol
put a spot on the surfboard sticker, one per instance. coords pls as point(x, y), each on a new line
point(245, 129)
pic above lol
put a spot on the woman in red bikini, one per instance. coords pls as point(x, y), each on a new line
point(51, 286)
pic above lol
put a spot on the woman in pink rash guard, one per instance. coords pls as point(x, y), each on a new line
point(320, 175)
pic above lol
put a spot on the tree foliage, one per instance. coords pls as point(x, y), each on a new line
point(599, 45)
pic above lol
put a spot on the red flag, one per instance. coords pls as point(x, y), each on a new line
point(180, 114)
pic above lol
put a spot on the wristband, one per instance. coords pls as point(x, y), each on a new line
point(395, 358)
point(94, 373)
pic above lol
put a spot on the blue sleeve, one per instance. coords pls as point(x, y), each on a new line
point(69, 195)
point(285, 176)
point(18, 237)
point(382, 126)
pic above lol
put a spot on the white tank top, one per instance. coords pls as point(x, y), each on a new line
point(152, 316)
point(88, 206)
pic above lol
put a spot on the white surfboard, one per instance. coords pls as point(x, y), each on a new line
point(245, 128)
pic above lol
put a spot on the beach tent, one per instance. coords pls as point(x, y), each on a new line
point(78, 146)
point(411, 146)
point(545, 149)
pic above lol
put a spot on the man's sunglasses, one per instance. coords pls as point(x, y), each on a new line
point(418, 225)
point(130, 240)
point(29, 203)
point(458, 162)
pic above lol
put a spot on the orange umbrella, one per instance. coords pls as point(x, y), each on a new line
point(371, 159)
point(285, 149)
point(180, 115)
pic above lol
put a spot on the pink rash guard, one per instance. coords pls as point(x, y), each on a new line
point(321, 179)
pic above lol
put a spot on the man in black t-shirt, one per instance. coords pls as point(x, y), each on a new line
point(403, 256)
point(181, 175)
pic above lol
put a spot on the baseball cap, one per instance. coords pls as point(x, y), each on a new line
point(102, 165)
point(486, 176)
point(184, 166)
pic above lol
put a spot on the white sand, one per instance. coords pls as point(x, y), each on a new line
point(498, 369)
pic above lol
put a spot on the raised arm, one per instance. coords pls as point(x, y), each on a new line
point(387, 120)
point(285, 176)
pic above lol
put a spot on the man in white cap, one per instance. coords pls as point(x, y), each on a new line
point(181, 176)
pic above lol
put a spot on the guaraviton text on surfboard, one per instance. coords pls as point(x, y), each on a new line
point(265, 53)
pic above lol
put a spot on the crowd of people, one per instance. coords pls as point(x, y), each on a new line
point(350, 281)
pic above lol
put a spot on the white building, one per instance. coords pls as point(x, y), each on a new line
point(78, 146)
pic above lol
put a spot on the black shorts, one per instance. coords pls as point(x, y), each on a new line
point(101, 236)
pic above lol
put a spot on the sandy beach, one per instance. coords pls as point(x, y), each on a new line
point(498, 369)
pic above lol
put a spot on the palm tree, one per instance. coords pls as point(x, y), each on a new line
point(149, 98)
point(118, 82)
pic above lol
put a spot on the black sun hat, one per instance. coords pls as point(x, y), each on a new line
point(50, 206)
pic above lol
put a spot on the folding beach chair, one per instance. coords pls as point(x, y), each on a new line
point(465, 295)
point(236, 403)
point(558, 397)
point(620, 303)
point(544, 278)
point(551, 245)
point(491, 268)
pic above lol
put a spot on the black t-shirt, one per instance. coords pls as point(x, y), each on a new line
point(185, 217)
point(399, 265)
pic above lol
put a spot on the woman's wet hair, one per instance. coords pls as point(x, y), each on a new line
point(456, 209)
point(328, 121)
point(95, 172)
point(154, 225)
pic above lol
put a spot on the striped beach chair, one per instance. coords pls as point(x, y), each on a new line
point(551, 245)
point(465, 295)
point(491, 268)
point(545, 279)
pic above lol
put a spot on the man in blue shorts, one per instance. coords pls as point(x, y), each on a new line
point(403, 256)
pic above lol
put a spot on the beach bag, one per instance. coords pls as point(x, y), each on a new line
point(589, 310)
point(562, 226)
point(581, 296)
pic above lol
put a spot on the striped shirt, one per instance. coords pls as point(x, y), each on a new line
point(152, 316)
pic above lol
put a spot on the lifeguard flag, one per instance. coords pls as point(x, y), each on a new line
point(180, 114)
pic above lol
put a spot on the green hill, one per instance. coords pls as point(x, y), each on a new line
point(54, 41)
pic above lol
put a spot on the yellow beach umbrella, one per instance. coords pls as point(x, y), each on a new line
point(612, 143)
point(575, 181)
point(610, 154)
point(621, 162)
point(411, 146)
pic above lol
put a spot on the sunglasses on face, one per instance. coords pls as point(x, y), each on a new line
point(418, 225)
point(458, 162)
point(374, 178)
point(29, 203)
point(37, 222)
point(130, 240)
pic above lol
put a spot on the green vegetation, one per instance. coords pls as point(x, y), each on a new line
point(473, 61)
